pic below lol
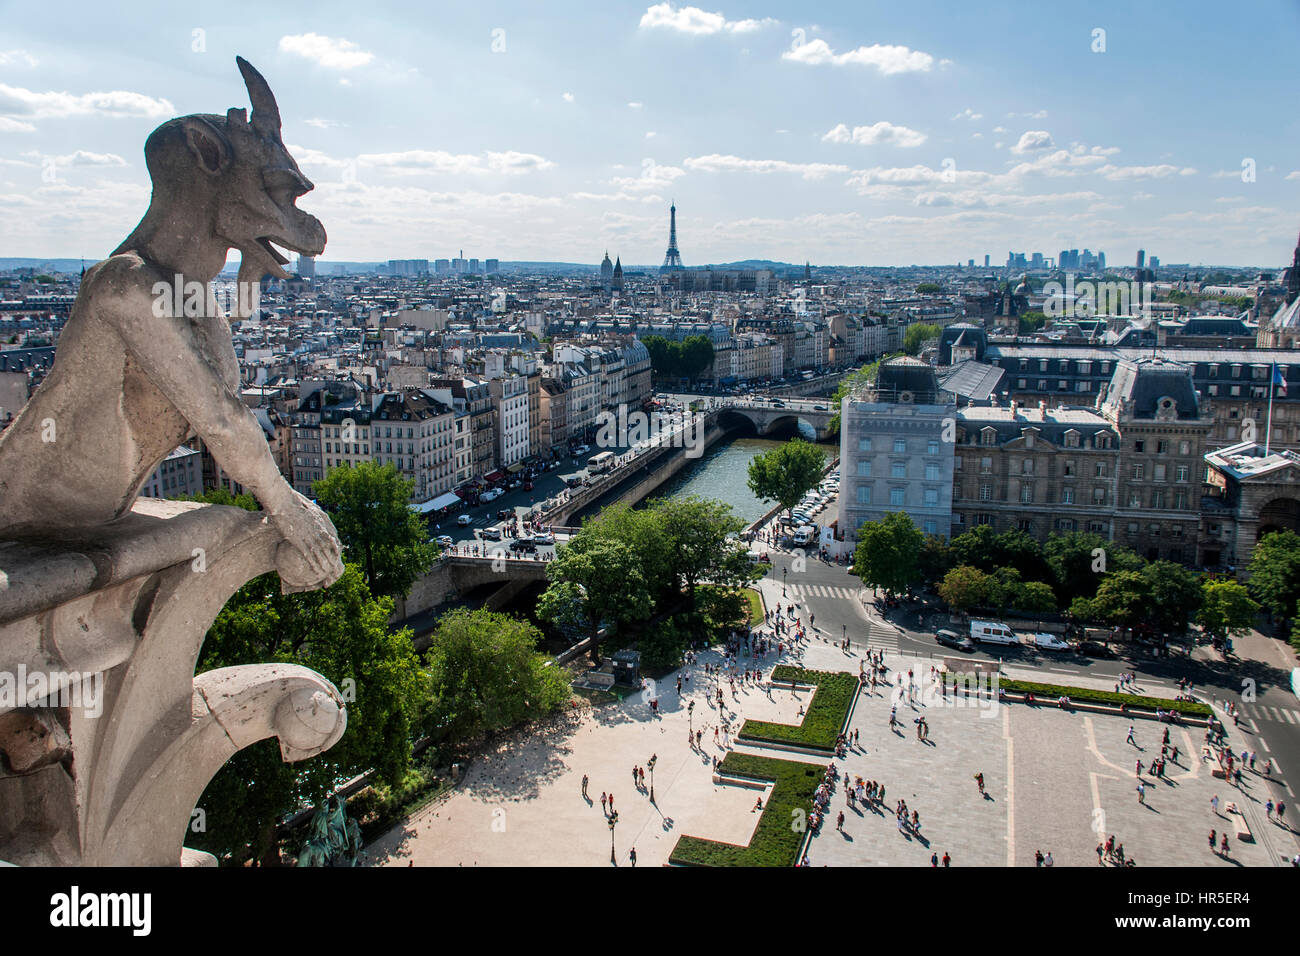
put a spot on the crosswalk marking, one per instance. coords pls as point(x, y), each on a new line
point(1281, 715)
point(822, 591)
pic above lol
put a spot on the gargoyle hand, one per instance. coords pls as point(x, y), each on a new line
point(309, 556)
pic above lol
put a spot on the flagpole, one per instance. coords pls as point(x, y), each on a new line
point(1268, 431)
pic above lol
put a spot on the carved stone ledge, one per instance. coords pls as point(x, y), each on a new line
point(123, 612)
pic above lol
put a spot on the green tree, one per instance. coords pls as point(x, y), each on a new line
point(965, 587)
point(600, 581)
point(486, 674)
point(1080, 560)
point(1035, 596)
point(342, 633)
point(1031, 322)
point(701, 543)
point(974, 548)
point(1275, 573)
point(917, 335)
point(936, 558)
point(222, 496)
point(929, 288)
point(787, 473)
point(1122, 599)
point(1176, 593)
point(370, 507)
point(888, 555)
point(696, 355)
point(1226, 609)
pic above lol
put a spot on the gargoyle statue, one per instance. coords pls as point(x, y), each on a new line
point(128, 386)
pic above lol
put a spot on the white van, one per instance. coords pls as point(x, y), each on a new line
point(992, 632)
point(803, 535)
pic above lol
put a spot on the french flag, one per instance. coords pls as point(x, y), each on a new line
point(1279, 379)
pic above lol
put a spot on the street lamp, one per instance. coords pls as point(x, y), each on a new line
point(844, 634)
point(783, 574)
point(651, 764)
point(612, 821)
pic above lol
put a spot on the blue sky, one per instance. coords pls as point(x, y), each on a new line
point(843, 133)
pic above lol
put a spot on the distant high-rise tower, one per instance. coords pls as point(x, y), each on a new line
point(1141, 258)
point(672, 258)
point(618, 274)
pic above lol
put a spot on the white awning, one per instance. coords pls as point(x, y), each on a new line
point(442, 501)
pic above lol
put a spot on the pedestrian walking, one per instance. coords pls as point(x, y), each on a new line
point(1214, 804)
point(584, 784)
point(603, 798)
point(979, 779)
point(1101, 852)
point(1130, 739)
point(1281, 811)
point(839, 821)
point(1214, 837)
point(632, 856)
point(1038, 858)
point(934, 859)
point(1142, 792)
point(947, 860)
point(1048, 861)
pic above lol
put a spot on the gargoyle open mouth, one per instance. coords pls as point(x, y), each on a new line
point(276, 254)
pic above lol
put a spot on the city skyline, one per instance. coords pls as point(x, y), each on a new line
point(841, 136)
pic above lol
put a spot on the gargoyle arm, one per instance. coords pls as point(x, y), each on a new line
point(173, 357)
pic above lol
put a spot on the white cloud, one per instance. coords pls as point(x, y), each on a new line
point(969, 114)
point(8, 125)
point(17, 58)
point(1159, 171)
point(889, 60)
point(333, 53)
point(423, 161)
point(650, 135)
point(696, 21)
point(877, 134)
point(322, 123)
point(18, 102)
point(1032, 141)
point(568, 97)
point(79, 158)
point(715, 163)
point(999, 129)
point(1295, 174)
point(635, 106)
point(653, 176)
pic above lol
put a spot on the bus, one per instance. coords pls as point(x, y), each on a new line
point(598, 464)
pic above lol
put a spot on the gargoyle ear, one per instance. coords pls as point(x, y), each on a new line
point(208, 144)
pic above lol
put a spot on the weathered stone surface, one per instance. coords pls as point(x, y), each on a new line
point(107, 739)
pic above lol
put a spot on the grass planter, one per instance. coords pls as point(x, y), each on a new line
point(824, 718)
point(1048, 694)
point(781, 827)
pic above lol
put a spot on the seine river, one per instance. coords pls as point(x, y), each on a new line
point(723, 474)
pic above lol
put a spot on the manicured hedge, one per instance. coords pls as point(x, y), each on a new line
point(779, 833)
point(1050, 692)
point(824, 717)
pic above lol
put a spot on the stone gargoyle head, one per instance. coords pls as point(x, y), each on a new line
point(236, 172)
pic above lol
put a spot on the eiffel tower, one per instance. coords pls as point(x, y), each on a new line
point(672, 258)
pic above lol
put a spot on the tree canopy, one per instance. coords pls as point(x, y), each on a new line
point(486, 675)
point(370, 506)
point(631, 566)
point(342, 633)
point(1275, 573)
point(787, 473)
point(1226, 609)
point(917, 335)
point(888, 554)
point(673, 360)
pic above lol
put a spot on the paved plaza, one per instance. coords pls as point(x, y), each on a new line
point(1056, 781)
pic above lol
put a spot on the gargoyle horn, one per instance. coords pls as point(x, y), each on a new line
point(266, 114)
